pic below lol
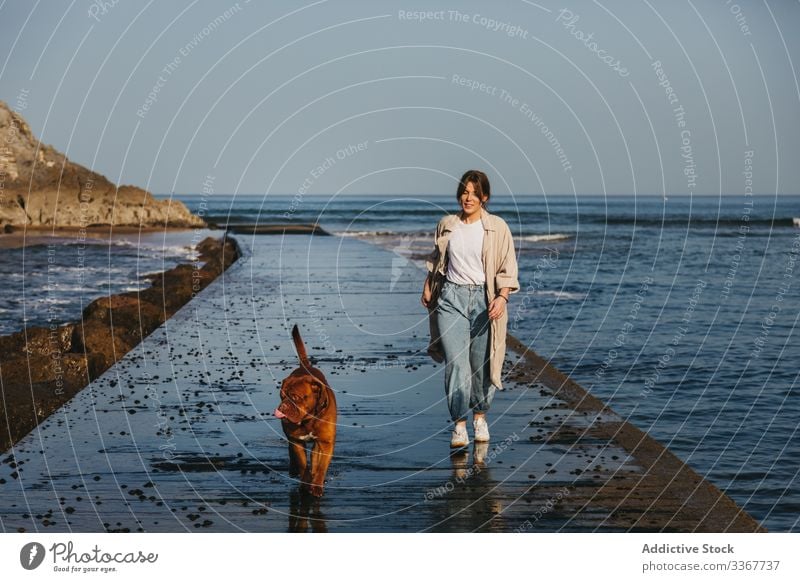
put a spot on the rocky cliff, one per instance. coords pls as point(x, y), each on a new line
point(40, 187)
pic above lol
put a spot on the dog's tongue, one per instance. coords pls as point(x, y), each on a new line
point(279, 414)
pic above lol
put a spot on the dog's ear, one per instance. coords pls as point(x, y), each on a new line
point(282, 391)
point(322, 398)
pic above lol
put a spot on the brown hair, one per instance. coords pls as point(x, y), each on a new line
point(481, 182)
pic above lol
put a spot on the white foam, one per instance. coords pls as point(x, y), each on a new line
point(428, 236)
point(374, 233)
point(565, 295)
point(545, 237)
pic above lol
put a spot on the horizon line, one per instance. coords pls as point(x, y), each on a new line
point(494, 196)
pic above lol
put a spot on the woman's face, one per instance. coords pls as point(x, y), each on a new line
point(470, 201)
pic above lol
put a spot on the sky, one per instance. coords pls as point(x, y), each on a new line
point(657, 97)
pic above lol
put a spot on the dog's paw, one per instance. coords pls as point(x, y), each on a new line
point(313, 490)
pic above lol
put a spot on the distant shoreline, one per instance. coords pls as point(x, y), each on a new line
point(494, 195)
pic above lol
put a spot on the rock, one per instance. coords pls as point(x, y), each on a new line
point(96, 337)
point(169, 293)
point(42, 187)
point(27, 400)
point(40, 341)
point(102, 309)
point(218, 255)
point(70, 370)
point(126, 312)
point(208, 247)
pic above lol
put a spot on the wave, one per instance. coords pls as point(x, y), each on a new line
point(50, 300)
point(690, 221)
point(563, 295)
point(545, 237)
point(358, 233)
point(133, 244)
point(268, 214)
point(63, 288)
point(61, 269)
point(375, 233)
point(428, 236)
point(150, 274)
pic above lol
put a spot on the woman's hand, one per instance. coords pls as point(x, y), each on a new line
point(426, 294)
point(497, 307)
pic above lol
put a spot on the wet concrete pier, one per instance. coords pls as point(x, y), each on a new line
point(179, 434)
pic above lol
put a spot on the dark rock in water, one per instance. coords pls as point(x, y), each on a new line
point(125, 312)
point(70, 369)
point(40, 341)
point(31, 394)
point(98, 338)
point(41, 369)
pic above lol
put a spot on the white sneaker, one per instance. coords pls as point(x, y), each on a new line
point(481, 429)
point(459, 438)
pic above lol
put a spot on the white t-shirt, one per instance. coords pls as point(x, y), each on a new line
point(465, 266)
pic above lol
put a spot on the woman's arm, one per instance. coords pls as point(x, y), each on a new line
point(505, 280)
point(430, 264)
point(433, 257)
point(426, 291)
point(498, 304)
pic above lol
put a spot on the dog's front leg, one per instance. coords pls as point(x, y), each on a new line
point(321, 457)
point(297, 458)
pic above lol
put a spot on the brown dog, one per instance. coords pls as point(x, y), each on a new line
point(308, 413)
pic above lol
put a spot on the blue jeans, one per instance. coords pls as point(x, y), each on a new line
point(463, 317)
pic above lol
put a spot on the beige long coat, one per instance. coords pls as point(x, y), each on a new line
point(499, 266)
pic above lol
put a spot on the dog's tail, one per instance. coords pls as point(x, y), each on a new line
point(300, 347)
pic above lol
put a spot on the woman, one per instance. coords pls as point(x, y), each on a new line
point(475, 251)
